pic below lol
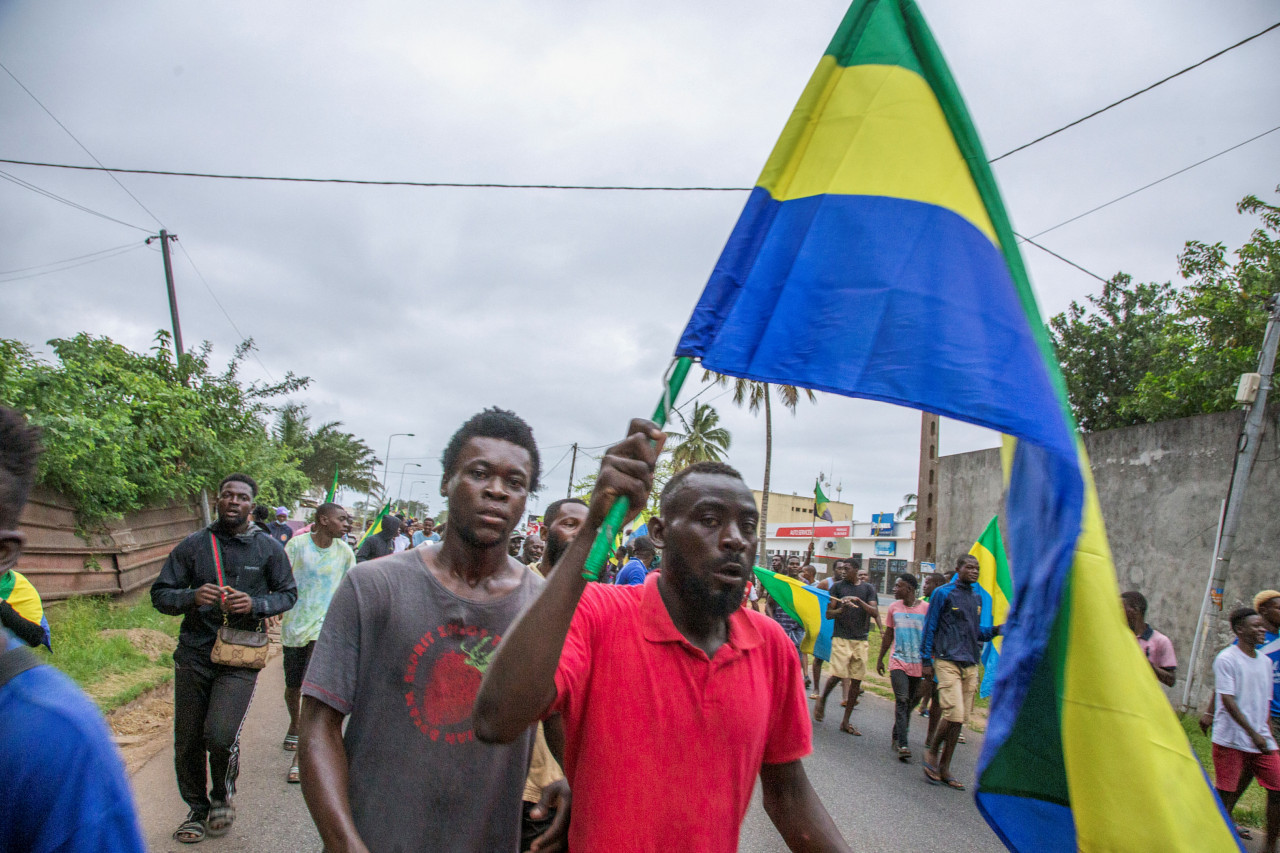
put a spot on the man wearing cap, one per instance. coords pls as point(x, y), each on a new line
point(280, 531)
point(1267, 603)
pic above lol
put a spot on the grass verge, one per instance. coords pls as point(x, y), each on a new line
point(111, 668)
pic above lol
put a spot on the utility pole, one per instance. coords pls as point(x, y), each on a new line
point(1246, 454)
point(164, 239)
point(568, 493)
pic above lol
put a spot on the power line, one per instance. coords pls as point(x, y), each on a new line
point(49, 113)
point(14, 179)
point(1059, 257)
point(547, 474)
point(101, 257)
point(1153, 183)
point(371, 183)
point(68, 260)
point(214, 296)
point(1135, 94)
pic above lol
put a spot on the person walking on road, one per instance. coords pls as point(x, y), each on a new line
point(1243, 745)
point(715, 689)
point(634, 572)
point(903, 634)
point(851, 605)
point(953, 633)
point(320, 560)
point(379, 544)
point(400, 658)
point(233, 574)
point(1156, 646)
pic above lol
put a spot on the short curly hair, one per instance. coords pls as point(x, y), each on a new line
point(19, 451)
point(494, 423)
point(673, 485)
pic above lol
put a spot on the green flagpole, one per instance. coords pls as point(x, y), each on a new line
point(333, 490)
point(613, 521)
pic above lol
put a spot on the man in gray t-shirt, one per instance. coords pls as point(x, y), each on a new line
point(404, 656)
point(401, 655)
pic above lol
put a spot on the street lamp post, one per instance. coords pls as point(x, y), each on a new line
point(400, 491)
point(411, 485)
point(386, 466)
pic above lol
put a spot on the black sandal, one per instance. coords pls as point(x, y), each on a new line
point(221, 817)
point(192, 830)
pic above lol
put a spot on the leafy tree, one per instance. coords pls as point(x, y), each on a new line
point(322, 450)
point(1151, 352)
point(122, 432)
point(1106, 351)
point(755, 395)
point(704, 439)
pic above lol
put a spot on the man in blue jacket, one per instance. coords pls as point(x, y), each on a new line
point(951, 648)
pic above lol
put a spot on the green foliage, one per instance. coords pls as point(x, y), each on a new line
point(122, 431)
point(1151, 352)
point(704, 439)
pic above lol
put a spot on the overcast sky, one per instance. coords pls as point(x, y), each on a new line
point(413, 308)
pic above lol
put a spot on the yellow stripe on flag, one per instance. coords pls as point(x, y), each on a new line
point(872, 130)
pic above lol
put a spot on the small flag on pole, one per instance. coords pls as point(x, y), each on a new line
point(821, 507)
point(996, 581)
point(333, 490)
point(377, 524)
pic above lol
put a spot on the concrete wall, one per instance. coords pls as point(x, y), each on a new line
point(1161, 487)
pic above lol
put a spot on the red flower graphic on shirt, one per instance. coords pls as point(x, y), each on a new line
point(454, 683)
point(453, 659)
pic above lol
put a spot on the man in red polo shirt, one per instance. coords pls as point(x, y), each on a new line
point(718, 686)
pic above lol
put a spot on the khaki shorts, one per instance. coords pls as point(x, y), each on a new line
point(848, 658)
point(957, 685)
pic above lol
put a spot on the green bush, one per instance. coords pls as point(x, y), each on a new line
point(124, 430)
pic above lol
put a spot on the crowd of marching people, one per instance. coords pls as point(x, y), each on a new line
point(460, 688)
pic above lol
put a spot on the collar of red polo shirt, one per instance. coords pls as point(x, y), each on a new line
point(658, 627)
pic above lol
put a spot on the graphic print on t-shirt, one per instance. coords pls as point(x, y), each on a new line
point(443, 678)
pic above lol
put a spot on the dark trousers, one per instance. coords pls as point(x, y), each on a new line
point(209, 706)
point(906, 695)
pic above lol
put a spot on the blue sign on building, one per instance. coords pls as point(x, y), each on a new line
point(882, 524)
point(886, 549)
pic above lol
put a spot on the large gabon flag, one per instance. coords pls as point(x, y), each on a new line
point(875, 259)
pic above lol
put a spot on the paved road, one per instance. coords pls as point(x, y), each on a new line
point(878, 802)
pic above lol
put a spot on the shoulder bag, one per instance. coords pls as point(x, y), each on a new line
point(234, 646)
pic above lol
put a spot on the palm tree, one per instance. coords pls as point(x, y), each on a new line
point(755, 395)
point(704, 440)
point(319, 452)
point(907, 512)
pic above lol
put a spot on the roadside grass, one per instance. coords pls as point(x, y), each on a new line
point(1251, 810)
point(111, 669)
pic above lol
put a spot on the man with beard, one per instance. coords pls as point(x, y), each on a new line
point(716, 686)
point(399, 657)
point(234, 574)
point(546, 785)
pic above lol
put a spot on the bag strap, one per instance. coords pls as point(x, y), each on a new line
point(15, 662)
point(217, 557)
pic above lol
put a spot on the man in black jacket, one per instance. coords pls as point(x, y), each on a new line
point(210, 700)
point(379, 544)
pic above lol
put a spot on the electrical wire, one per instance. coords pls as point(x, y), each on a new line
point(1130, 97)
point(68, 260)
point(14, 179)
point(1153, 183)
point(49, 113)
point(94, 260)
point(546, 474)
point(243, 338)
point(1059, 257)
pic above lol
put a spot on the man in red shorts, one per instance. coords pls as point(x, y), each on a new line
point(1242, 740)
point(716, 687)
